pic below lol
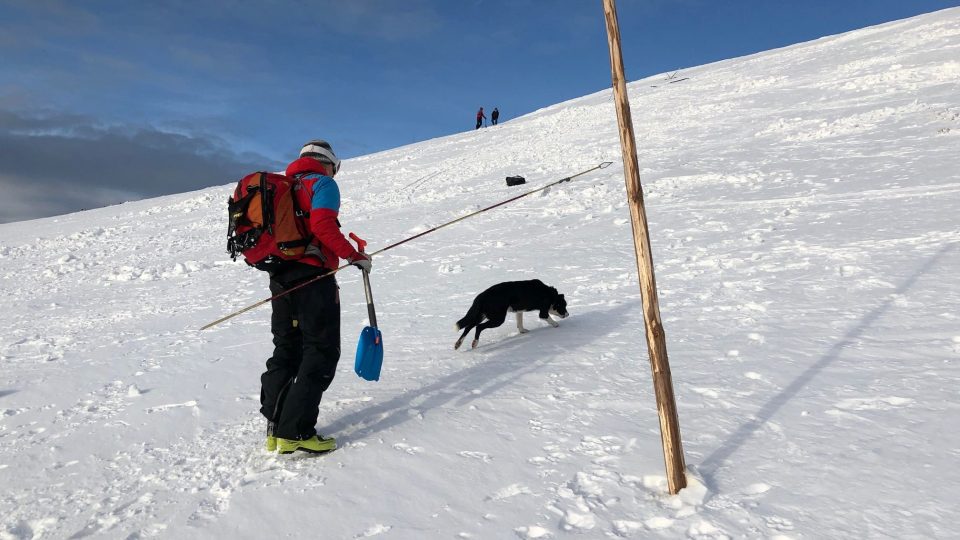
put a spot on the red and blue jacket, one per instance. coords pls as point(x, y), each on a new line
point(320, 196)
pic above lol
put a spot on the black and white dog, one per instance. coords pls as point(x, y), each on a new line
point(490, 307)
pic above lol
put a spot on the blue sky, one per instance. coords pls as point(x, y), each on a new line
point(141, 99)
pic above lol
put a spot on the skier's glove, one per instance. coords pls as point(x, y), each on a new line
point(362, 261)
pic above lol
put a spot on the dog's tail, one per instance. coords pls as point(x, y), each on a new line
point(472, 318)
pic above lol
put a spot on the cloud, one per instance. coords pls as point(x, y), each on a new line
point(23, 199)
point(57, 163)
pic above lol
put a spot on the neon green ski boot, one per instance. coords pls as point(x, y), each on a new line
point(271, 445)
point(314, 445)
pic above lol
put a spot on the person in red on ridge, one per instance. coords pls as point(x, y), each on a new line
point(480, 118)
point(306, 322)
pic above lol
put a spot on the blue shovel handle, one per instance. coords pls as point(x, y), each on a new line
point(371, 313)
point(361, 246)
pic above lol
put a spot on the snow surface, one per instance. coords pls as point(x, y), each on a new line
point(803, 211)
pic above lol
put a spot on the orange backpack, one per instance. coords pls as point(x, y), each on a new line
point(266, 225)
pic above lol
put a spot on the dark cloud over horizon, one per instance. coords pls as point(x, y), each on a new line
point(59, 163)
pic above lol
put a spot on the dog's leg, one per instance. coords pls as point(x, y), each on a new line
point(545, 315)
point(520, 327)
point(490, 323)
point(463, 335)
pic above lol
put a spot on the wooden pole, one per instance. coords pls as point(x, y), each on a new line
point(656, 340)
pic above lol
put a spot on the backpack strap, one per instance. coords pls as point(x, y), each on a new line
point(266, 202)
point(299, 212)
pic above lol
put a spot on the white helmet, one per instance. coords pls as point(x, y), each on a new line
point(320, 150)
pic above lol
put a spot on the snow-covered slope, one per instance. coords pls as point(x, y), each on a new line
point(803, 212)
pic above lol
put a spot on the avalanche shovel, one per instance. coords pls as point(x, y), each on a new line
point(370, 347)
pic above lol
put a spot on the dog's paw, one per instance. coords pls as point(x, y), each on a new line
point(457, 344)
point(553, 323)
point(523, 330)
point(474, 344)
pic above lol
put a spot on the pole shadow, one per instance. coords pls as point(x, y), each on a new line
point(709, 466)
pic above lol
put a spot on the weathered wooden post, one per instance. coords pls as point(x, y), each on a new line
point(656, 341)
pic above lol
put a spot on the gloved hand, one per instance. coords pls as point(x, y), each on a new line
point(362, 261)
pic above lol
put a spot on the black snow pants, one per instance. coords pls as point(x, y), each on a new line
point(306, 339)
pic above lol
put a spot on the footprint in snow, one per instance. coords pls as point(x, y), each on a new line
point(624, 527)
point(450, 269)
point(706, 392)
point(12, 412)
point(876, 403)
point(412, 450)
point(532, 532)
point(848, 270)
point(657, 523)
point(705, 529)
point(373, 531)
point(779, 524)
point(756, 489)
point(476, 455)
point(159, 408)
point(510, 491)
point(577, 520)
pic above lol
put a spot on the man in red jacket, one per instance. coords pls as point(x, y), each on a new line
point(480, 118)
point(306, 322)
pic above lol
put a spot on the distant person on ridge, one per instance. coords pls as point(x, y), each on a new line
point(480, 118)
point(494, 116)
point(306, 322)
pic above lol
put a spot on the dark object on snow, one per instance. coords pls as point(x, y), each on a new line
point(516, 180)
point(490, 308)
point(672, 81)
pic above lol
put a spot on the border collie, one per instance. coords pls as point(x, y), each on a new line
point(490, 307)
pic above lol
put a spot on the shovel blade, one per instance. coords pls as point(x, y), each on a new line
point(369, 354)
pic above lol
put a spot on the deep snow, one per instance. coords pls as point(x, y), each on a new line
point(803, 213)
